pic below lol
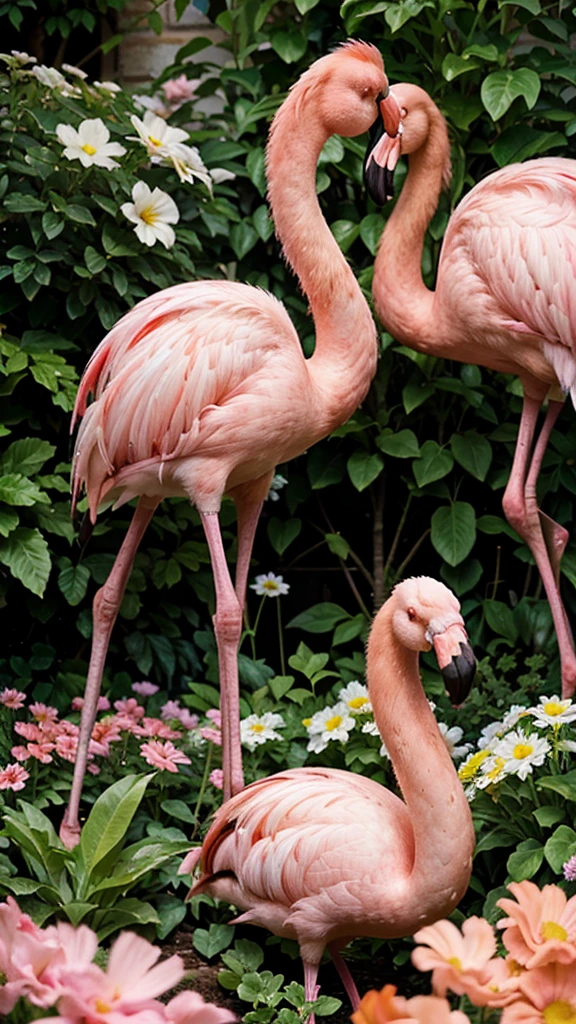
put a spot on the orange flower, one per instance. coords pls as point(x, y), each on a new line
point(541, 926)
point(548, 996)
point(381, 1007)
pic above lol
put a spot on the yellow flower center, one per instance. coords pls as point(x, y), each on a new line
point(552, 707)
point(514, 968)
point(468, 770)
point(148, 215)
point(306, 722)
point(155, 142)
point(101, 1007)
point(357, 702)
point(89, 149)
point(257, 727)
point(270, 585)
point(455, 962)
point(560, 1012)
point(498, 766)
point(553, 930)
point(522, 750)
point(333, 723)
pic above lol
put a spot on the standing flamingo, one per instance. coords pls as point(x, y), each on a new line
point(203, 388)
point(505, 295)
point(321, 855)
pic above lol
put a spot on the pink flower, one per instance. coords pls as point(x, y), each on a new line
point(190, 1008)
point(541, 926)
point(171, 709)
point(43, 713)
point(12, 699)
point(156, 727)
point(130, 707)
point(458, 960)
point(41, 751)
point(13, 776)
point(66, 747)
point(548, 996)
point(20, 753)
point(214, 735)
point(102, 705)
point(145, 689)
point(29, 731)
point(187, 720)
point(164, 756)
point(26, 954)
point(215, 716)
point(569, 869)
point(217, 778)
point(381, 1007)
point(103, 734)
point(179, 90)
point(66, 728)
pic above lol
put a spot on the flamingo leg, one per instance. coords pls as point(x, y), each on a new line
point(344, 972)
point(248, 516)
point(227, 628)
point(521, 510)
point(105, 607)
point(311, 989)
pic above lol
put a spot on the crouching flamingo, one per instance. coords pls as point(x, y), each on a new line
point(505, 295)
point(203, 388)
point(322, 855)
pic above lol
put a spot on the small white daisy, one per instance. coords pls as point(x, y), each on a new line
point(355, 696)
point(488, 735)
point(513, 716)
point(553, 711)
point(107, 86)
point(492, 771)
point(89, 144)
point(152, 213)
point(257, 729)
point(332, 723)
point(522, 753)
point(451, 738)
point(71, 69)
point(269, 585)
point(278, 481)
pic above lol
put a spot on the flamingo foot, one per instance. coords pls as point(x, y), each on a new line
point(70, 835)
point(556, 538)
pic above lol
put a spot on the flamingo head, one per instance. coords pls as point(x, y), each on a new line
point(402, 127)
point(427, 615)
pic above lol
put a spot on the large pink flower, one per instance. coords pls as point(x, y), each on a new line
point(26, 954)
point(41, 751)
point(43, 713)
point(548, 996)
point(103, 734)
point(541, 926)
point(13, 699)
point(130, 707)
point(13, 776)
point(29, 731)
point(190, 1008)
point(384, 1006)
point(145, 689)
point(459, 961)
point(164, 756)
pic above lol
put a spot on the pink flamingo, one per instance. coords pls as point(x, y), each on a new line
point(201, 389)
point(321, 855)
point(504, 297)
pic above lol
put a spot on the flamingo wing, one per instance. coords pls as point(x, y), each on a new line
point(177, 355)
point(513, 240)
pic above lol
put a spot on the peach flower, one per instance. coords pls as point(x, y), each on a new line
point(164, 756)
point(548, 996)
point(190, 1008)
point(381, 1007)
point(458, 960)
point(13, 776)
point(541, 925)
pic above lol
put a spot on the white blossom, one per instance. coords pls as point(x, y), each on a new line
point(187, 163)
point(156, 134)
point(218, 175)
point(49, 77)
point(452, 738)
point(22, 57)
point(355, 696)
point(71, 69)
point(270, 585)
point(332, 723)
point(257, 729)
point(278, 481)
point(152, 213)
point(488, 735)
point(107, 86)
point(492, 771)
point(153, 103)
point(513, 716)
point(89, 144)
point(521, 752)
point(553, 711)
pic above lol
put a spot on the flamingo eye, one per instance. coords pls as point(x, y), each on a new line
point(365, 91)
point(411, 614)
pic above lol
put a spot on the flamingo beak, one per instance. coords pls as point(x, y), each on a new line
point(455, 660)
point(384, 150)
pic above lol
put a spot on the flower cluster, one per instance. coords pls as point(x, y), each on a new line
point(381, 1007)
point(257, 729)
point(522, 741)
point(53, 967)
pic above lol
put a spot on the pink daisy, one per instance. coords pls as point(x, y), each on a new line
point(164, 756)
point(217, 778)
point(43, 713)
point(102, 705)
point(214, 735)
point(29, 731)
point(20, 753)
point(12, 699)
point(41, 751)
point(171, 709)
point(215, 716)
point(156, 727)
point(187, 720)
point(145, 689)
point(130, 707)
point(13, 776)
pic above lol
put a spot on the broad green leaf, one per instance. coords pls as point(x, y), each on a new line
point(171, 912)
point(8, 521)
point(303, 6)
point(26, 554)
point(94, 260)
point(326, 1006)
point(454, 531)
point(402, 445)
point(332, 151)
point(325, 468)
point(565, 784)
point(526, 860)
point(281, 532)
point(320, 618)
point(463, 577)
point(345, 232)
point(280, 685)
point(255, 165)
point(243, 238)
point(337, 545)
point(495, 525)
point(501, 88)
point(76, 911)
point(371, 228)
point(73, 581)
point(79, 214)
point(521, 142)
point(178, 809)
point(364, 468)
point(473, 452)
point(214, 940)
point(454, 65)
point(560, 847)
point(434, 463)
point(16, 489)
point(500, 618)
point(290, 46)
point(349, 630)
point(26, 456)
point(529, 5)
point(547, 816)
point(397, 14)
point(108, 823)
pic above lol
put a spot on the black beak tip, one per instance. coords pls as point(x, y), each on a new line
point(379, 183)
point(459, 674)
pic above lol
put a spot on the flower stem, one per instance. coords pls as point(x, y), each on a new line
point(203, 785)
point(280, 637)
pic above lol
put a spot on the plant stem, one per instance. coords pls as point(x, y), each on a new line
point(280, 637)
point(203, 785)
point(412, 552)
point(396, 540)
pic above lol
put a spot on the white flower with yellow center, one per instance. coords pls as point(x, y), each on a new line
point(513, 716)
point(521, 752)
point(269, 585)
point(156, 134)
point(152, 213)
point(257, 729)
point(452, 738)
point(553, 711)
point(187, 163)
point(355, 696)
point(470, 769)
point(333, 723)
point(492, 771)
point(89, 144)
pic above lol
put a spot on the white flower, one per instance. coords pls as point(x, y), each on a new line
point(258, 729)
point(278, 481)
point(355, 696)
point(49, 77)
point(22, 57)
point(451, 738)
point(89, 144)
point(71, 69)
point(218, 175)
point(553, 711)
point(152, 213)
point(516, 712)
point(107, 86)
point(521, 752)
point(329, 724)
point(492, 771)
point(568, 745)
point(270, 585)
point(371, 728)
point(187, 163)
point(488, 734)
point(153, 103)
point(156, 134)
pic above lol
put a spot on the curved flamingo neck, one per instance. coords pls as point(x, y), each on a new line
point(403, 302)
point(344, 359)
point(438, 808)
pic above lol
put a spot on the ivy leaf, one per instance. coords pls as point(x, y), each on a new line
point(26, 554)
point(454, 531)
point(364, 468)
point(214, 940)
point(434, 463)
point(401, 445)
point(501, 88)
point(281, 532)
point(526, 860)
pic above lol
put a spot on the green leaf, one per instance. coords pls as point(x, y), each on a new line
point(454, 531)
point(171, 912)
point(290, 46)
point(325, 1006)
point(501, 88)
point(303, 6)
point(94, 260)
point(473, 452)
point(73, 582)
point(547, 816)
point(529, 5)
point(434, 463)
point(337, 545)
point(349, 630)
point(454, 65)
point(243, 238)
point(463, 577)
point(76, 911)
point(26, 554)
point(401, 445)
point(371, 228)
point(108, 823)
point(345, 232)
point(560, 847)
point(280, 685)
point(26, 456)
point(364, 468)
point(52, 225)
point(495, 525)
point(179, 810)
point(500, 618)
point(526, 860)
point(79, 214)
point(8, 521)
point(22, 202)
point(564, 784)
point(320, 618)
point(281, 532)
point(325, 468)
point(521, 142)
point(256, 167)
point(213, 941)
